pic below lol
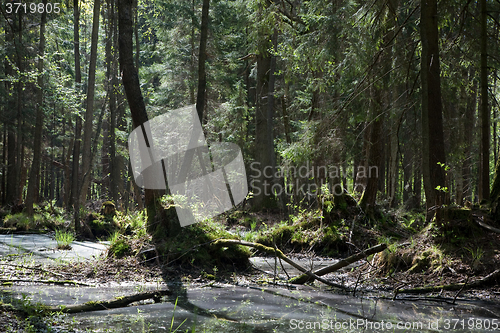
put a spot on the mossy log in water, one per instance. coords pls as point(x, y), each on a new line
point(455, 286)
point(342, 263)
point(118, 302)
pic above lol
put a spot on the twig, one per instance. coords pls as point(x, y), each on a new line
point(457, 286)
point(356, 285)
point(455, 298)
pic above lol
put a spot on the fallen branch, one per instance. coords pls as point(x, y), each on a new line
point(279, 254)
point(59, 282)
point(455, 286)
point(118, 302)
point(487, 226)
point(33, 268)
point(342, 263)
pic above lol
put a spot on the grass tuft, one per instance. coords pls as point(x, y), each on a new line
point(64, 239)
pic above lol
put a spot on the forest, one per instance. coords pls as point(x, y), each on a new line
point(364, 131)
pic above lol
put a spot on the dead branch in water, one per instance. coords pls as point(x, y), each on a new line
point(342, 263)
point(455, 286)
point(279, 254)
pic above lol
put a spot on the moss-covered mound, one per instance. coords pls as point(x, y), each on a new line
point(193, 245)
point(309, 232)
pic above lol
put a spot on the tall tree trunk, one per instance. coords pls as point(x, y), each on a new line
point(75, 172)
point(20, 119)
point(87, 137)
point(432, 118)
point(12, 167)
point(263, 180)
point(109, 128)
point(135, 100)
point(374, 152)
point(202, 84)
point(4, 161)
point(192, 62)
point(117, 121)
point(35, 166)
point(202, 58)
point(484, 193)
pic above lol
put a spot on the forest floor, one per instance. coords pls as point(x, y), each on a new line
point(418, 254)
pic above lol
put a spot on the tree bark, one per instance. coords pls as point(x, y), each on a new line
point(432, 117)
point(37, 149)
point(374, 152)
point(484, 194)
point(263, 180)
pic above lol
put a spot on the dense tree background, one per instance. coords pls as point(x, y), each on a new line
point(404, 89)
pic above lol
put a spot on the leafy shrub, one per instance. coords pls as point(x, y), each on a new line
point(19, 221)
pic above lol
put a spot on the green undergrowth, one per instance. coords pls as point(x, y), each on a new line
point(46, 218)
point(305, 232)
point(433, 247)
point(129, 236)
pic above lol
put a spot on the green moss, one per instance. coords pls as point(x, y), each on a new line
point(305, 234)
point(119, 248)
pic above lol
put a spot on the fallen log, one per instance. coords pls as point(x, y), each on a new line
point(118, 302)
point(487, 226)
point(33, 268)
point(58, 282)
point(279, 254)
point(342, 263)
point(450, 287)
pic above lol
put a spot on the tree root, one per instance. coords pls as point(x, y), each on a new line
point(342, 263)
point(455, 286)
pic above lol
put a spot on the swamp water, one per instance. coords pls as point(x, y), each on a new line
point(228, 308)
point(245, 308)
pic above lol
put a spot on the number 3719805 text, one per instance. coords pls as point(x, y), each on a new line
point(31, 7)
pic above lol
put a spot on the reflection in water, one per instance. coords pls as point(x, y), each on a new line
point(266, 309)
